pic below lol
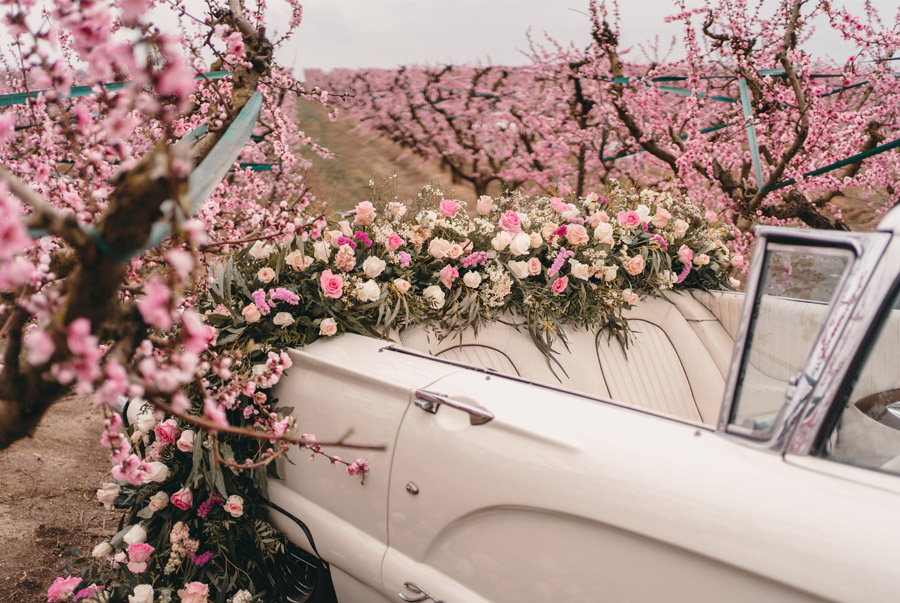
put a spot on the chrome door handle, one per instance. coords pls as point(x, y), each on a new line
point(418, 590)
point(430, 402)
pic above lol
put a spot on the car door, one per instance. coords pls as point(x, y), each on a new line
point(345, 389)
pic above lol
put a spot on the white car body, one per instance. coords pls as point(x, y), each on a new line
point(620, 480)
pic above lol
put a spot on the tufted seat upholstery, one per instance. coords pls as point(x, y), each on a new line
point(675, 363)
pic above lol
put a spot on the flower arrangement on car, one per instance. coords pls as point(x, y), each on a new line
point(192, 484)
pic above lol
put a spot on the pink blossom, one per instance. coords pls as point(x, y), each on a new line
point(155, 306)
point(448, 275)
point(560, 284)
point(449, 207)
point(40, 347)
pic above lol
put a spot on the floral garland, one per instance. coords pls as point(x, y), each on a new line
point(195, 527)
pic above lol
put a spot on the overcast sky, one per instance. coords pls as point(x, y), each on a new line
point(388, 33)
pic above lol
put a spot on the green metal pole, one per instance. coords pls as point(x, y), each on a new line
point(751, 132)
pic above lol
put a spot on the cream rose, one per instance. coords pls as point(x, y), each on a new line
point(143, 593)
point(261, 251)
point(604, 233)
point(579, 270)
point(643, 213)
point(322, 250)
point(102, 550)
point(701, 260)
point(435, 296)
point(265, 275)
point(135, 534)
point(186, 442)
point(519, 269)
point(472, 279)
point(536, 240)
point(368, 291)
point(298, 261)
point(328, 327)
point(629, 297)
point(610, 273)
point(635, 265)
point(234, 505)
point(159, 472)
point(402, 285)
point(484, 205)
point(680, 228)
point(501, 241)
point(548, 229)
point(251, 313)
point(283, 319)
point(438, 248)
point(534, 267)
point(373, 266)
point(107, 494)
point(455, 251)
point(521, 244)
point(159, 501)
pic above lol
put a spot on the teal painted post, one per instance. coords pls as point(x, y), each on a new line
point(751, 132)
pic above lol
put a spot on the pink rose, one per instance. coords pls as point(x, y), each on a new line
point(660, 218)
point(186, 442)
point(332, 284)
point(576, 234)
point(629, 297)
point(138, 554)
point(234, 506)
point(167, 432)
point(194, 592)
point(183, 499)
point(402, 285)
point(484, 205)
point(635, 265)
point(701, 260)
point(560, 284)
point(680, 228)
point(365, 213)
point(449, 207)
point(560, 206)
point(448, 275)
point(455, 251)
point(394, 242)
point(328, 327)
point(737, 261)
point(685, 255)
point(510, 222)
point(628, 219)
point(62, 588)
point(711, 216)
point(534, 266)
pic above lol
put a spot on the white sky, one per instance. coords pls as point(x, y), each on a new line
point(388, 33)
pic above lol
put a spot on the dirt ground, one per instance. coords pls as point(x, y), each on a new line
point(47, 499)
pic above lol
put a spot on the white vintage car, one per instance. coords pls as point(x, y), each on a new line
point(734, 452)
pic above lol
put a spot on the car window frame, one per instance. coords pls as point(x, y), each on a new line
point(866, 249)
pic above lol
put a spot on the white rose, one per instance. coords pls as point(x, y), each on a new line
point(435, 296)
point(135, 534)
point(521, 244)
point(438, 248)
point(536, 240)
point(159, 501)
point(328, 327)
point(108, 493)
point(501, 241)
point(643, 213)
point(604, 233)
point(568, 215)
point(261, 250)
point(520, 269)
point(368, 291)
point(472, 279)
point(186, 442)
point(143, 593)
point(146, 419)
point(159, 472)
point(242, 596)
point(102, 550)
point(579, 270)
point(610, 273)
point(322, 250)
point(373, 266)
point(283, 319)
